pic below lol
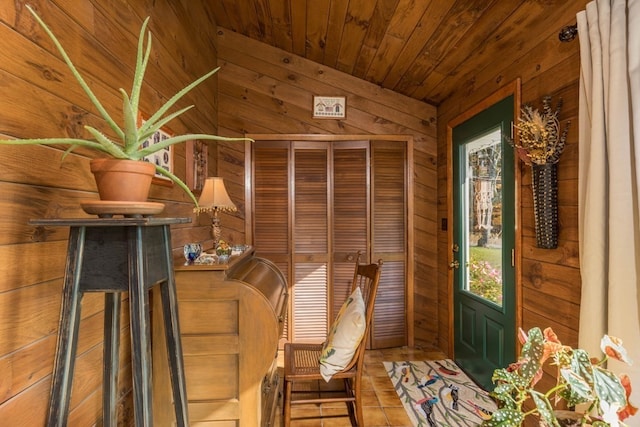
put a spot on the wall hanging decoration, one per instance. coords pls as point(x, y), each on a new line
point(539, 145)
point(162, 158)
point(197, 160)
point(329, 107)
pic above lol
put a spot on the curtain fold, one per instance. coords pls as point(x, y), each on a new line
point(609, 179)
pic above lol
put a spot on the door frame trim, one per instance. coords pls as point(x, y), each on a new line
point(512, 88)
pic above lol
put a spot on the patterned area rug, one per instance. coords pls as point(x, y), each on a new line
point(438, 393)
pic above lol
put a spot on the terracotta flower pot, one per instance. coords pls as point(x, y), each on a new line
point(122, 180)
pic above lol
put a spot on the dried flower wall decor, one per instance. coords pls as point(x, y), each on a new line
point(539, 144)
point(539, 139)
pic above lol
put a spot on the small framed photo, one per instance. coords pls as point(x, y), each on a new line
point(196, 155)
point(329, 107)
point(162, 158)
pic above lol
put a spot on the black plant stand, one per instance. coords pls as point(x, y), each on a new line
point(115, 255)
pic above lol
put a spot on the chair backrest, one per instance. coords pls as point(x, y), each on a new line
point(366, 277)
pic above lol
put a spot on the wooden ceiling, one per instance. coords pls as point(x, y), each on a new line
point(420, 48)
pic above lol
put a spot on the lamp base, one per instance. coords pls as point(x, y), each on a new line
point(216, 231)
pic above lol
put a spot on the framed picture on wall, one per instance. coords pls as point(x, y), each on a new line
point(196, 156)
point(329, 107)
point(162, 158)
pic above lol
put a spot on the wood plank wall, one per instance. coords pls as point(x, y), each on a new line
point(550, 278)
point(265, 90)
point(40, 98)
point(262, 90)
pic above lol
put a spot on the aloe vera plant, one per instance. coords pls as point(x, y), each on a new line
point(131, 135)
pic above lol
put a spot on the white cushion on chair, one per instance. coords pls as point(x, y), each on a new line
point(344, 337)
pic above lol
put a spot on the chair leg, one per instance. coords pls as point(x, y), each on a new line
point(350, 405)
point(352, 414)
point(356, 389)
point(286, 402)
point(359, 414)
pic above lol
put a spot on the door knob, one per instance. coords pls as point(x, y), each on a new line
point(454, 264)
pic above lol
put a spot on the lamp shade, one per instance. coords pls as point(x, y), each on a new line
point(214, 197)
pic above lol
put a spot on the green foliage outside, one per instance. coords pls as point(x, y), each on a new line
point(485, 273)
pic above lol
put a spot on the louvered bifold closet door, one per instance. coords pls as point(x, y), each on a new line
point(350, 215)
point(389, 236)
point(271, 214)
point(316, 204)
point(310, 241)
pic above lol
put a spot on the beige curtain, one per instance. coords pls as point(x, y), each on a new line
point(609, 178)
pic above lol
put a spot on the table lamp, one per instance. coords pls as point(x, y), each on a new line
point(213, 199)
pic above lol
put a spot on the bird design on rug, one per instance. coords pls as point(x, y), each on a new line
point(406, 373)
point(483, 413)
point(446, 370)
point(452, 397)
point(424, 381)
point(425, 406)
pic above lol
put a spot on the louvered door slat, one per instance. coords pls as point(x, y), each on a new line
point(350, 217)
point(271, 207)
point(310, 203)
point(389, 197)
point(271, 199)
point(389, 327)
point(310, 302)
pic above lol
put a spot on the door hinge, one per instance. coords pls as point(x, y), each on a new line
point(513, 258)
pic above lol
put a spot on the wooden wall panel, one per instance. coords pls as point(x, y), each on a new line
point(264, 90)
point(40, 98)
point(550, 279)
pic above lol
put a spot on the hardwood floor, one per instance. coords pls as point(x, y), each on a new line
point(381, 404)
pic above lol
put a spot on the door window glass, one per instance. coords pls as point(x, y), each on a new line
point(483, 158)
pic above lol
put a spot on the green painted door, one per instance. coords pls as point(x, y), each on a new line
point(484, 236)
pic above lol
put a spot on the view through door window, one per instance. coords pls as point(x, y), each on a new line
point(484, 217)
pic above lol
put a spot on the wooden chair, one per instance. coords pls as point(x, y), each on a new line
point(302, 378)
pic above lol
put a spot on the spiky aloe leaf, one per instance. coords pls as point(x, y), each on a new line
point(130, 125)
point(141, 66)
point(181, 138)
point(158, 125)
point(106, 144)
point(58, 141)
point(105, 115)
point(69, 151)
point(175, 98)
point(178, 182)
